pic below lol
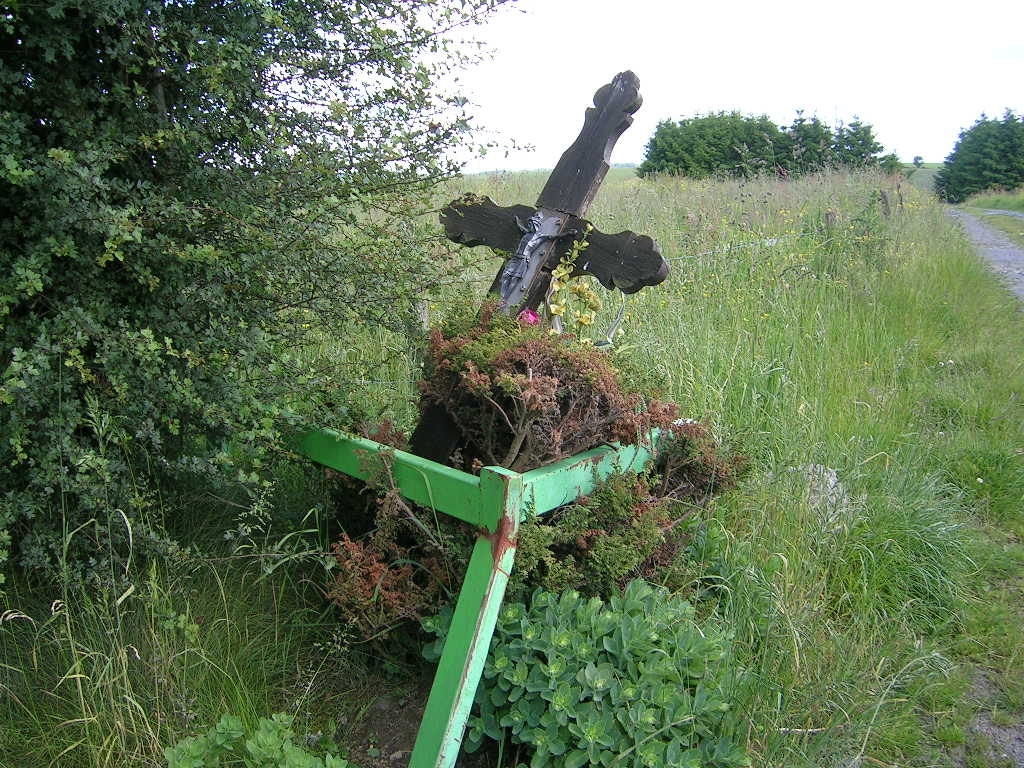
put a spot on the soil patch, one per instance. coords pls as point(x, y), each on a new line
point(1000, 745)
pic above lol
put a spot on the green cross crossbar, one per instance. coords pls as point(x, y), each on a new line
point(495, 502)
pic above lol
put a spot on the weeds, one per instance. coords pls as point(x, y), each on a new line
point(98, 677)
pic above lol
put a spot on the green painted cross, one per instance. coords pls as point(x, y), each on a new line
point(498, 499)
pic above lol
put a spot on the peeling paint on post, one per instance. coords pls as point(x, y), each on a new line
point(476, 614)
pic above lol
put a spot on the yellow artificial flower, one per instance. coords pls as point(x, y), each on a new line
point(562, 271)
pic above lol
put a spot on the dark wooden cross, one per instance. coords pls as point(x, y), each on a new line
point(537, 238)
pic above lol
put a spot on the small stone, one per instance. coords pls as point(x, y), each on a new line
point(827, 496)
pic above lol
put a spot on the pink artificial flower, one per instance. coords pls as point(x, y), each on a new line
point(529, 317)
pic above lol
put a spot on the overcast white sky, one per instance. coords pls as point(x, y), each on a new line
point(918, 72)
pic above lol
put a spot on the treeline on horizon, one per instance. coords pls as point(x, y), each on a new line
point(988, 156)
point(741, 146)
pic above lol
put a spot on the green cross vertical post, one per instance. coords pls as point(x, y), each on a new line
point(476, 614)
point(496, 502)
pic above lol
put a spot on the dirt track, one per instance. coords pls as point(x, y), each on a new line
point(1005, 742)
point(1006, 257)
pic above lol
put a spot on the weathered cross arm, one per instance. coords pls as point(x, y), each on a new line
point(574, 182)
point(626, 260)
point(476, 220)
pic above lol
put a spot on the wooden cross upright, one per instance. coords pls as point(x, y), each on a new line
point(625, 261)
point(537, 238)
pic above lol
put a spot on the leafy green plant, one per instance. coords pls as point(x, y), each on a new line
point(177, 224)
point(270, 745)
point(633, 681)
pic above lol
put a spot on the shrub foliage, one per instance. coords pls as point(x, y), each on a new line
point(186, 189)
point(270, 745)
point(731, 144)
point(631, 525)
point(633, 681)
point(988, 155)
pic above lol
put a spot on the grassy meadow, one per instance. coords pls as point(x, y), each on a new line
point(836, 330)
point(924, 177)
point(1006, 201)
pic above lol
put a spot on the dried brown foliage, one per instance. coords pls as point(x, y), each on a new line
point(692, 465)
point(400, 570)
point(522, 398)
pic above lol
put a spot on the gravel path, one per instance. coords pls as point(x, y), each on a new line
point(1004, 744)
point(1006, 257)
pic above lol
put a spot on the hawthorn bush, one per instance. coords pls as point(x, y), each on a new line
point(188, 193)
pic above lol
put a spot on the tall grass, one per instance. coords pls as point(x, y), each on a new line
point(1006, 201)
point(834, 327)
point(836, 330)
point(108, 677)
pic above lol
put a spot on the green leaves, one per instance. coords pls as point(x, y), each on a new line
point(988, 155)
point(633, 682)
point(270, 745)
point(728, 143)
point(183, 222)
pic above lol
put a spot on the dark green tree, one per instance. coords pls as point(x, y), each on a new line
point(890, 163)
point(188, 190)
point(855, 146)
point(731, 144)
point(808, 145)
point(989, 154)
point(723, 143)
